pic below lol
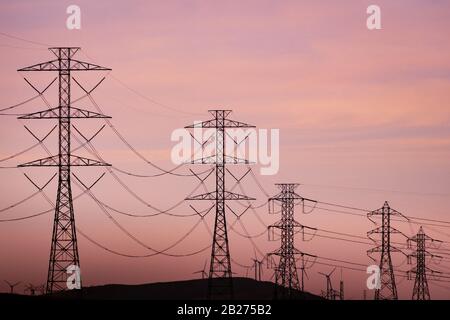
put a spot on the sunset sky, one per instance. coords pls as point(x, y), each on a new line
point(364, 117)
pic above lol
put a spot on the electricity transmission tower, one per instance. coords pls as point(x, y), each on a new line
point(420, 291)
point(64, 249)
point(286, 272)
point(388, 289)
point(220, 284)
point(330, 294)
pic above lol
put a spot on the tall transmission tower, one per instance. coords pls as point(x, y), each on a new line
point(286, 271)
point(420, 291)
point(64, 248)
point(220, 284)
point(388, 289)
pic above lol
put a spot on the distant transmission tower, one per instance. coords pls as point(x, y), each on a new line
point(220, 284)
point(64, 249)
point(286, 271)
point(388, 289)
point(420, 291)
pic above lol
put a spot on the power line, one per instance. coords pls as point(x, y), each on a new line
point(24, 40)
point(378, 190)
point(28, 217)
point(95, 153)
point(366, 210)
point(397, 220)
point(19, 104)
point(96, 243)
point(20, 201)
point(135, 151)
point(41, 191)
point(145, 97)
point(129, 234)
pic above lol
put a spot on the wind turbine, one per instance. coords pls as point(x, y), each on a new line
point(41, 288)
point(341, 288)
point(303, 268)
point(304, 273)
point(30, 288)
point(257, 266)
point(330, 294)
point(12, 285)
point(203, 272)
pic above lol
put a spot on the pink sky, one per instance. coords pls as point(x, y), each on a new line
point(355, 108)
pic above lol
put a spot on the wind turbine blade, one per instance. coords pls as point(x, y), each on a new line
point(332, 271)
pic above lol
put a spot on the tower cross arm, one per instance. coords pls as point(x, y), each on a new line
point(227, 196)
point(75, 65)
point(52, 65)
point(292, 195)
point(53, 161)
point(227, 123)
point(85, 66)
point(53, 113)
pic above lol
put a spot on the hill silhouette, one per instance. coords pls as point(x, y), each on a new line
point(244, 289)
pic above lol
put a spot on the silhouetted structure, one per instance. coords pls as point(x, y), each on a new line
point(202, 272)
point(64, 248)
point(420, 290)
point(388, 289)
point(341, 290)
point(31, 289)
point(286, 271)
point(220, 275)
point(330, 294)
point(257, 264)
point(12, 286)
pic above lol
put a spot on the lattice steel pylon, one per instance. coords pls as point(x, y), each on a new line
point(64, 248)
point(388, 288)
point(220, 283)
point(286, 272)
point(420, 290)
